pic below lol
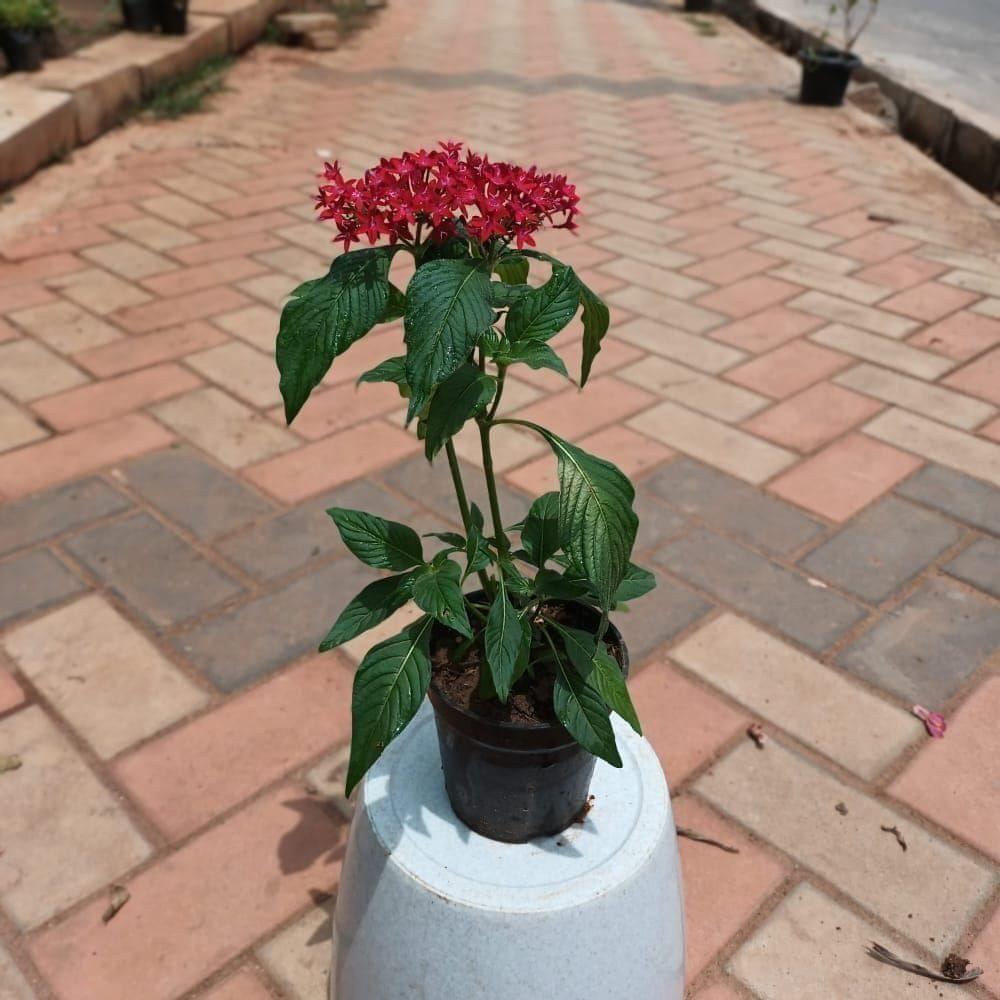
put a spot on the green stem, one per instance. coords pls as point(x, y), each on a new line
point(463, 505)
point(503, 544)
point(501, 379)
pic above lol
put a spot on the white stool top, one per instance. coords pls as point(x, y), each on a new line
point(409, 811)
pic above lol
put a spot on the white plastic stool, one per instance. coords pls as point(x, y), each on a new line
point(429, 910)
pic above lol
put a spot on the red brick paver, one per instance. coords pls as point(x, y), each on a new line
point(803, 378)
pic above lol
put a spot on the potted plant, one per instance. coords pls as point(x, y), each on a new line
point(171, 15)
point(23, 25)
point(826, 70)
point(139, 15)
point(697, 6)
point(513, 641)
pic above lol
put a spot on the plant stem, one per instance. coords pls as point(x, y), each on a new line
point(503, 545)
point(463, 505)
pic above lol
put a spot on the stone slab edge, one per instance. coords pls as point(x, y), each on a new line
point(53, 135)
point(967, 149)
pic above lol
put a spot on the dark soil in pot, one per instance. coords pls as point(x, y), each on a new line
point(139, 15)
point(825, 76)
point(172, 16)
point(22, 48)
point(512, 771)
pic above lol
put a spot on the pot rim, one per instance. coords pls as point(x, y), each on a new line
point(536, 730)
point(830, 56)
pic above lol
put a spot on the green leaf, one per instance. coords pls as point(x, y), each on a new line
point(563, 586)
point(597, 525)
point(581, 709)
point(376, 541)
point(543, 312)
point(326, 316)
point(504, 295)
point(513, 269)
point(389, 686)
point(447, 311)
point(395, 306)
point(503, 637)
point(595, 662)
point(540, 532)
point(533, 353)
point(596, 320)
point(390, 370)
point(636, 582)
point(449, 537)
point(477, 550)
point(437, 589)
point(371, 607)
point(458, 398)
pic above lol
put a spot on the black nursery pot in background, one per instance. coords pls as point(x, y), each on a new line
point(139, 15)
point(825, 76)
point(172, 15)
point(514, 783)
point(23, 49)
point(697, 6)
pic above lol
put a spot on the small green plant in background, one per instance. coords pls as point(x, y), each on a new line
point(187, 93)
point(854, 17)
point(28, 13)
point(703, 27)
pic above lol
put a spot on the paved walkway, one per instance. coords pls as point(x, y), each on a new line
point(804, 376)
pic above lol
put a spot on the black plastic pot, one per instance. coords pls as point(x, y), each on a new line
point(697, 6)
point(825, 76)
point(139, 15)
point(513, 783)
point(51, 46)
point(23, 49)
point(172, 16)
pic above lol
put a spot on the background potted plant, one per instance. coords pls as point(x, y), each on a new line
point(139, 15)
point(171, 15)
point(513, 642)
point(826, 70)
point(697, 6)
point(23, 27)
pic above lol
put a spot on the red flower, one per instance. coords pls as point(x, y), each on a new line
point(436, 189)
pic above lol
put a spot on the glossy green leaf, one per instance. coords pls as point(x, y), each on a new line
point(477, 550)
point(390, 370)
point(371, 607)
point(597, 525)
point(389, 686)
point(540, 532)
point(562, 586)
point(447, 311)
point(595, 662)
point(437, 589)
point(596, 319)
point(503, 637)
point(461, 396)
point(636, 582)
point(395, 306)
point(327, 315)
point(513, 269)
point(580, 707)
point(504, 295)
point(376, 541)
point(544, 311)
point(534, 354)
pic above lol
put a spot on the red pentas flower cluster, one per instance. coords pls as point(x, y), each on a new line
point(427, 192)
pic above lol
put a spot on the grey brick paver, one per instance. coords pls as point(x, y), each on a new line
point(36, 518)
point(33, 582)
point(659, 617)
point(925, 649)
point(194, 493)
point(883, 548)
point(270, 632)
point(153, 569)
point(979, 565)
point(760, 588)
point(970, 500)
point(734, 506)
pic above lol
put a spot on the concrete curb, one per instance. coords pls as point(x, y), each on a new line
point(961, 146)
point(45, 115)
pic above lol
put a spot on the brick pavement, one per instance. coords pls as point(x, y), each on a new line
point(803, 375)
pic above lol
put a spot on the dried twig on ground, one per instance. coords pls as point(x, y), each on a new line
point(757, 734)
point(897, 833)
point(683, 831)
point(952, 962)
point(9, 762)
point(119, 897)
